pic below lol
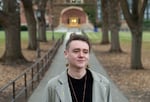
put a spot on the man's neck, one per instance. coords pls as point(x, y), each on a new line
point(76, 73)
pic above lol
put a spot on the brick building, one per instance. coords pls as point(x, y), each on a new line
point(67, 13)
point(70, 13)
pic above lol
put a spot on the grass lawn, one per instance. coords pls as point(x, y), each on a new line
point(124, 37)
point(24, 35)
point(125, 40)
point(24, 38)
point(95, 37)
point(57, 35)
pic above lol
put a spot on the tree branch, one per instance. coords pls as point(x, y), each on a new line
point(143, 6)
point(126, 12)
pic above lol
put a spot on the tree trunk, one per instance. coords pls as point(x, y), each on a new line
point(105, 25)
point(105, 35)
point(136, 62)
point(10, 20)
point(13, 45)
point(42, 28)
point(114, 24)
point(32, 42)
point(115, 43)
point(13, 52)
point(135, 20)
point(42, 21)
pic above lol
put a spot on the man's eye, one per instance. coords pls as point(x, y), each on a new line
point(76, 51)
point(86, 52)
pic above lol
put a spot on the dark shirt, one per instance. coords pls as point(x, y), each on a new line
point(78, 86)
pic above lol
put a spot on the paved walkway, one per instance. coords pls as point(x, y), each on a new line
point(58, 66)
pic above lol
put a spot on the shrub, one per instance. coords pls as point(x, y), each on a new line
point(146, 25)
point(23, 28)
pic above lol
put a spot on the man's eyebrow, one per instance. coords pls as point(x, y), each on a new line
point(80, 49)
point(76, 49)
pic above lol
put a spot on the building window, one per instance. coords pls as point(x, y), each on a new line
point(73, 1)
point(76, 1)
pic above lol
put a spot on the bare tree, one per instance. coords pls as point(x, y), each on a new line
point(105, 23)
point(10, 21)
point(41, 20)
point(134, 16)
point(114, 25)
point(32, 45)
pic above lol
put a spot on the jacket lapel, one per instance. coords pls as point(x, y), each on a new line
point(63, 90)
point(64, 94)
point(98, 89)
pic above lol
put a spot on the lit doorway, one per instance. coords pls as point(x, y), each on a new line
point(74, 22)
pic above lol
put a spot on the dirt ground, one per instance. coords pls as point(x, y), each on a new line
point(10, 72)
point(134, 84)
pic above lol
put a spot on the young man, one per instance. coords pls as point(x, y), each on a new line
point(78, 83)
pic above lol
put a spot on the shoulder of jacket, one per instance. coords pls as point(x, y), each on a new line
point(58, 80)
point(53, 82)
point(100, 78)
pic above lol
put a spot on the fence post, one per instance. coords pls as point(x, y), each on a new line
point(38, 76)
point(14, 91)
point(25, 84)
point(32, 79)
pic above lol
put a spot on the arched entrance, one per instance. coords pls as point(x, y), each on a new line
point(73, 17)
point(73, 21)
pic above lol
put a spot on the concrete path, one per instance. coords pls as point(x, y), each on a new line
point(58, 66)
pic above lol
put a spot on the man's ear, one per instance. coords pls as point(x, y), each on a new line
point(65, 53)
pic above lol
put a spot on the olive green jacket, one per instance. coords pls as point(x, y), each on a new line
point(57, 89)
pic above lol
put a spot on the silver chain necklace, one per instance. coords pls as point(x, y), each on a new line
point(83, 98)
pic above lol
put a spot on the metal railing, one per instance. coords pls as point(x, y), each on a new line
point(22, 86)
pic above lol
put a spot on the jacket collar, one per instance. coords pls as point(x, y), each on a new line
point(64, 78)
point(63, 89)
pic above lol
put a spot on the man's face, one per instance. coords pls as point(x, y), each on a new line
point(77, 54)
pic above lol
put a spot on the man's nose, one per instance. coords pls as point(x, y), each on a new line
point(81, 54)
